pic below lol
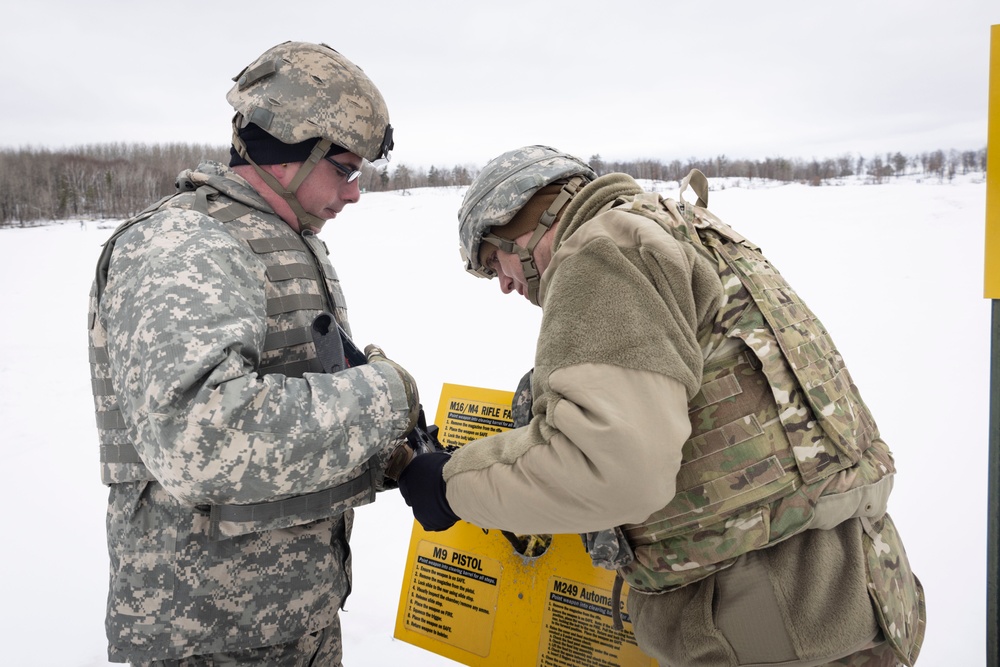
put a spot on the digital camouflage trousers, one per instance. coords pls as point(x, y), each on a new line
point(319, 649)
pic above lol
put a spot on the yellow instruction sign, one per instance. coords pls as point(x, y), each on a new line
point(471, 417)
point(992, 270)
point(468, 595)
point(454, 597)
point(573, 608)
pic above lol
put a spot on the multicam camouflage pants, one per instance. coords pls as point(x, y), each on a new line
point(319, 649)
point(880, 656)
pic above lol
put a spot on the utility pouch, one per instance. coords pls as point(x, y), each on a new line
point(608, 548)
point(897, 595)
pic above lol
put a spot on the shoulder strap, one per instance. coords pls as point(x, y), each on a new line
point(104, 261)
point(702, 217)
point(699, 183)
point(204, 189)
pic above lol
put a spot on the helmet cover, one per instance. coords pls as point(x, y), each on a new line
point(504, 186)
point(297, 91)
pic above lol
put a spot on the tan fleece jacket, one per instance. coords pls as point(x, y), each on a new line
point(617, 360)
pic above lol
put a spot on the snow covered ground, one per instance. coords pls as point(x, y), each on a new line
point(894, 270)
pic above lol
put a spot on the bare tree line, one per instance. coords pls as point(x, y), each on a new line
point(877, 169)
point(117, 180)
point(93, 181)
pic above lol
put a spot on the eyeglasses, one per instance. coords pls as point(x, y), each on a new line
point(349, 173)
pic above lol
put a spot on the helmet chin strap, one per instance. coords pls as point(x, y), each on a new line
point(307, 221)
point(526, 253)
point(528, 267)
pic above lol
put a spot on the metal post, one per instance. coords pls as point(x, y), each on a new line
point(991, 283)
point(993, 530)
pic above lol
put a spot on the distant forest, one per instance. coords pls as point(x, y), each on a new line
point(118, 180)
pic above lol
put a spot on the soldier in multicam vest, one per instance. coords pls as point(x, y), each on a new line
point(691, 418)
point(233, 459)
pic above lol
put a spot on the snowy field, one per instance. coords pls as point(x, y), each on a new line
point(893, 270)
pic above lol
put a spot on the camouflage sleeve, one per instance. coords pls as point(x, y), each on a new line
point(184, 309)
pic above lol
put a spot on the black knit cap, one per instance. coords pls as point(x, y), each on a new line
point(265, 149)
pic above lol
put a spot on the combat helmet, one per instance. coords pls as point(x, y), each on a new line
point(501, 190)
point(298, 91)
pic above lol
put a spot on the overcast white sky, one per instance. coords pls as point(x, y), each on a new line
point(465, 81)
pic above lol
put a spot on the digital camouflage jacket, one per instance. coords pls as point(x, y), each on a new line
point(232, 460)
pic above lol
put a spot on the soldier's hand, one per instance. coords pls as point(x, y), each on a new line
point(400, 457)
point(375, 355)
point(423, 488)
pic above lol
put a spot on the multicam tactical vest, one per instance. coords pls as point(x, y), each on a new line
point(781, 440)
point(301, 284)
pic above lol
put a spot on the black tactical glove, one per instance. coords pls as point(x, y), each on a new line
point(423, 488)
point(375, 355)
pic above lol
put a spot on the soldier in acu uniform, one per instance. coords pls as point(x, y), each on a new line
point(233, 459)
point(691, 418)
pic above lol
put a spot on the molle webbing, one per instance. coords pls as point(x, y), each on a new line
point(290, 269)
point(774, 429)
point(797, 353)
point(736, 457)
point(225, 213)
point(232, 520)
point(293, 302)
point(296, 290)
point(279, 339)
point(809, 351)
point(123, 453)
point(309, 502)
point(300, 283)
point(290, 272)
point(116, 450)
point(264, 246)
